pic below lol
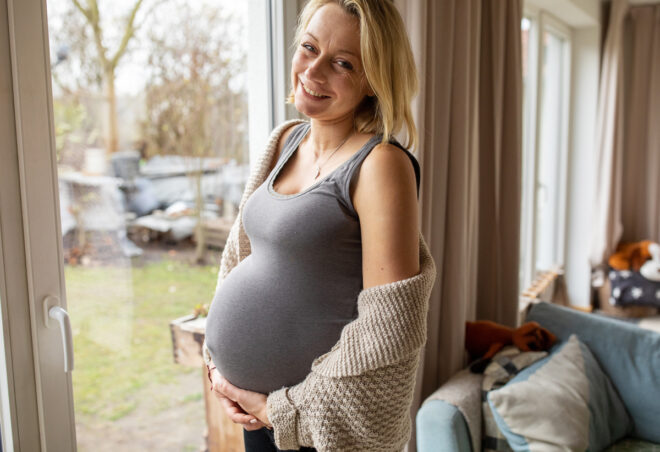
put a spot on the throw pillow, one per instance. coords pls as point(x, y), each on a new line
point(563, 402)
point(503, 367)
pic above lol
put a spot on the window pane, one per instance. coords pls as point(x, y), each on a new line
point(152, 151)
point(548, 177)
point(528, 32)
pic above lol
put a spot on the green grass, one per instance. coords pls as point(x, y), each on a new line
point(122, 342)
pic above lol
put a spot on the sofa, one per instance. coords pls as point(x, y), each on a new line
point(620, 363)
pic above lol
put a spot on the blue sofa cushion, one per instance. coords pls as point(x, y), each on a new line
point(441, 426)
point(629, 355)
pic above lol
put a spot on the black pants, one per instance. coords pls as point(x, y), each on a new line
point(262, 440)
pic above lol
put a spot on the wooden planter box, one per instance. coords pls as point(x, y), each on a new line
point(216, 232)
point(222, 435)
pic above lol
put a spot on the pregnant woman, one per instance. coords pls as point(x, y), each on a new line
point(313, 337)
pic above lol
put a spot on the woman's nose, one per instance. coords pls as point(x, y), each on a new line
point(315, 71)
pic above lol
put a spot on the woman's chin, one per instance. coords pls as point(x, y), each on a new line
point(314, 112)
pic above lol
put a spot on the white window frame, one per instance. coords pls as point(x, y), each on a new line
point(543, 21)
point(529, 158)
point(269, 65)
point(36, 400)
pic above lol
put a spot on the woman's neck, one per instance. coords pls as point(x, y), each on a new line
point(325, 136)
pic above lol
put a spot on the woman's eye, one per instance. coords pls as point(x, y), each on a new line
point(308, 47)
point(345, 64)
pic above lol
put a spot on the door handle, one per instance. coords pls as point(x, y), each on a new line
point(52, 311)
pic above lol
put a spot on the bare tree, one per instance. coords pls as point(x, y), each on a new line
point(107, 60)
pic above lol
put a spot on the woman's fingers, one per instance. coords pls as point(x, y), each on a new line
point(236, 413)
point(256, 426)
point(239, 416)
point(233, 409)
point(216, 378)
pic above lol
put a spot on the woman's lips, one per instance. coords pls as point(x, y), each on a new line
point(310, 95)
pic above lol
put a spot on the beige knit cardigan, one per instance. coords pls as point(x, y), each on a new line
point(357, 396)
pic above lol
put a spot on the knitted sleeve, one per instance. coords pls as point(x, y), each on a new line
point(367, 412)
point(357, 396)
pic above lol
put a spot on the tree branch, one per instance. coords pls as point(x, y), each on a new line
point(85, 13)
point(92, 15)
point(128, 34)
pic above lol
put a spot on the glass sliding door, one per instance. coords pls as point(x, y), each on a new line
point(151, 137)
point(125, 150)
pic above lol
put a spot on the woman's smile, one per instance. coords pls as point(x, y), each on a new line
point(313, 94)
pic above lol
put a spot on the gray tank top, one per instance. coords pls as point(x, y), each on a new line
point(286, 303)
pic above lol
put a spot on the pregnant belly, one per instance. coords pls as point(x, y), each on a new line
point(263, 334)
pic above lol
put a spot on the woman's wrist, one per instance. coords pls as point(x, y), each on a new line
point(263, 416)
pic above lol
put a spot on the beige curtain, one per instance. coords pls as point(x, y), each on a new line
point(469, 113)
point(641, 152)
point(607, 227)
point(627, 205)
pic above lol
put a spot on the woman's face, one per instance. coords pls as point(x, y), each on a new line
point(326, 73)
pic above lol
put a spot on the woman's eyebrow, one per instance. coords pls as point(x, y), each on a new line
point(340, 50)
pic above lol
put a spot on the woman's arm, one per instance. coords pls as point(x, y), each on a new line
point(385, 199)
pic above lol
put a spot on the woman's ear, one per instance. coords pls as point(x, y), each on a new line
point(370, 91)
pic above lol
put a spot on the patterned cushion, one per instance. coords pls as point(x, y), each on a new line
point(503, 367)
point(563, 402)
point(630, 288)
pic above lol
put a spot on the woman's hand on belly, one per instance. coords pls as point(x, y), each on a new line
point(240, 404)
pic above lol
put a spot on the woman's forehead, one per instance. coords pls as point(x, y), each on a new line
point(334, 27)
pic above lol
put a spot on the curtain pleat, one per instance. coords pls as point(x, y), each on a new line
point(500, 153)
point(641, 152)
point(606, 226)
point(469, 114)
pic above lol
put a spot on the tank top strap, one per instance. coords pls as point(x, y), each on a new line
point(290, 144)
point(346, 179)
point(293, 140)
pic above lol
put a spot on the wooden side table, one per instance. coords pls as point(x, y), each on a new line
point(222, 435)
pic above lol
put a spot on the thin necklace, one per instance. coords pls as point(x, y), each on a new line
point(318, 167)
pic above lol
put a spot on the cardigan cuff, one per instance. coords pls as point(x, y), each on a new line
point(282, 415)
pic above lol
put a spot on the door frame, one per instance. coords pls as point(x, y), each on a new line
point(31, 235)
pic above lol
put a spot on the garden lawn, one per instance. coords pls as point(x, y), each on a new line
point(122, 344)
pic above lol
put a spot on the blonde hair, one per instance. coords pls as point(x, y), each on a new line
point(388, 63)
